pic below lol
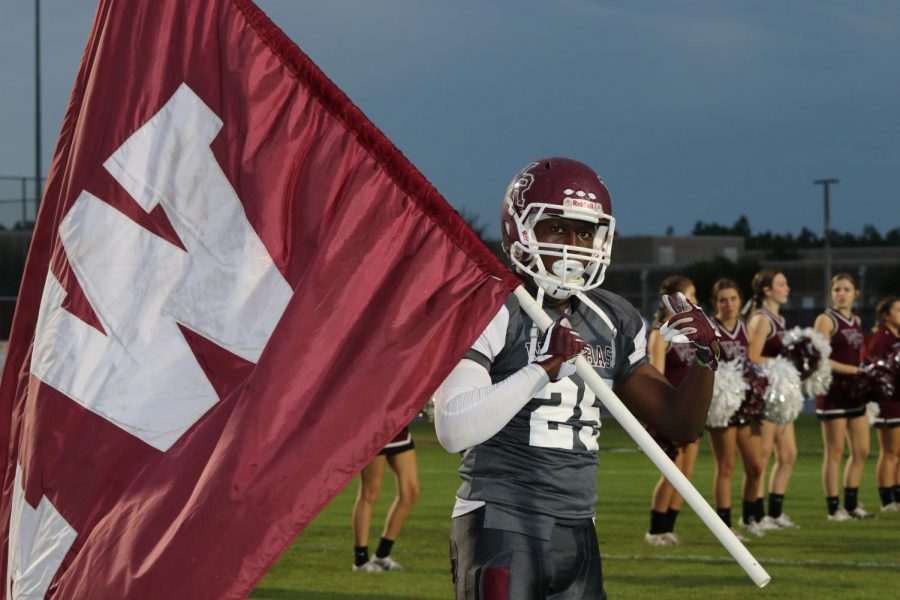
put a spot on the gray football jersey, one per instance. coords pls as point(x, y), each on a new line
point(545, 459)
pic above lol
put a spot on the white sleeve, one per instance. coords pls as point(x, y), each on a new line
point(469, 410)
point(493, 338)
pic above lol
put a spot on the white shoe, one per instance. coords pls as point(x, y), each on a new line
point(673, 537)
point(785, 522)
point(369, 567)
point(860, 513)
point(892, 507)
point(738, 535)
point(768, 524)
point(387, 563)
point(753, 528)
point(840, 515)
point(657, 539)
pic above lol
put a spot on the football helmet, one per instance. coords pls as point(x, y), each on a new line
point(557, 188)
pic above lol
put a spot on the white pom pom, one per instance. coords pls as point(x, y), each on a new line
point(784, 398)
point(729, 389)
point(819, 382)
point(872, 412)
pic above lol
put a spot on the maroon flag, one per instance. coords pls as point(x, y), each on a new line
point(238, 291)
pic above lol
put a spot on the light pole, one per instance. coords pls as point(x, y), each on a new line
point(825, 183)
point(37, 108)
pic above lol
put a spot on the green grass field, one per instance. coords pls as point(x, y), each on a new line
point(858, 559)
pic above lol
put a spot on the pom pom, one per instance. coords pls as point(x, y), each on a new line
point(428, 410)
point(872, 412)
point(820, 379)
point(783, 396)
point(878, 380)
point(809, 351)
point(754, 404)
point(729, 389)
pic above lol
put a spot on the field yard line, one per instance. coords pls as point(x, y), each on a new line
point(783, 562)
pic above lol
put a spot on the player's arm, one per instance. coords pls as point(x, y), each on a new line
point(759, 329)
point(656, 351)
point(469, 409)
point(677, 413)
point(825, 325)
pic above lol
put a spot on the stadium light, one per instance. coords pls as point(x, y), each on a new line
point(825, 183)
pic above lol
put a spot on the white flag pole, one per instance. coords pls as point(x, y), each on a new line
point(653, 451)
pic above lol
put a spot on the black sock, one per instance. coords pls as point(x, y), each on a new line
point(725, 515)
point(896, 493)
point(832, 502)
point(758, 511)
point(671, 515)
point(360, 555)
point(851, 498)
point(747, 511)
point(384, 548)
point(657, 522)
point(885, 494)
point(776, 501)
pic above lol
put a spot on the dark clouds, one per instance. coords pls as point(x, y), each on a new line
point(689, 110)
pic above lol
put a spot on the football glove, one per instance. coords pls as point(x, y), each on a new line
point(689, 324)
point(560, 340)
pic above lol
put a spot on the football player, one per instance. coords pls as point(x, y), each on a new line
point(526, 424)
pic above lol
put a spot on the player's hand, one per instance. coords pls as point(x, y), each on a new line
point(558, 348)
point(689, 324)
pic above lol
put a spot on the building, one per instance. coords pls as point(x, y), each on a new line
point(640, 263)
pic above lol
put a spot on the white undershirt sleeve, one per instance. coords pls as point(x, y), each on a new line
point(469, 410)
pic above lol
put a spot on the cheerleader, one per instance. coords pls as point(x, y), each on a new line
point(766, 326)
point(743, 430)
point(839, 414)
point(884, 341)
point(674, 361)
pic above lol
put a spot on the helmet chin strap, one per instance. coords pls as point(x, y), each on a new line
point(532, 349)
point(599, 311)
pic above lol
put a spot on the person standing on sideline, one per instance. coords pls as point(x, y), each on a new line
point(743, 432)
point(766, 326)
point(840, 415)
point(885, 340)
point(523, 522)
point(400, 455)
point(674, 362)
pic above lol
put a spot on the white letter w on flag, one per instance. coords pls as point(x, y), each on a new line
point(142, 375)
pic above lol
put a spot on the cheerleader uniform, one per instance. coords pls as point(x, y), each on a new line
point(402, 442)
point(880, 343)
point(846, 343)
point(679, 358)
point(734, 345)
point(774, 345)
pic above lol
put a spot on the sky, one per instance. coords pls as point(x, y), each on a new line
point(691, 110)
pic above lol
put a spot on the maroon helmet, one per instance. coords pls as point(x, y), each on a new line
point(554, 188)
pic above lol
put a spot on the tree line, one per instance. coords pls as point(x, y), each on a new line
point(786, 246)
